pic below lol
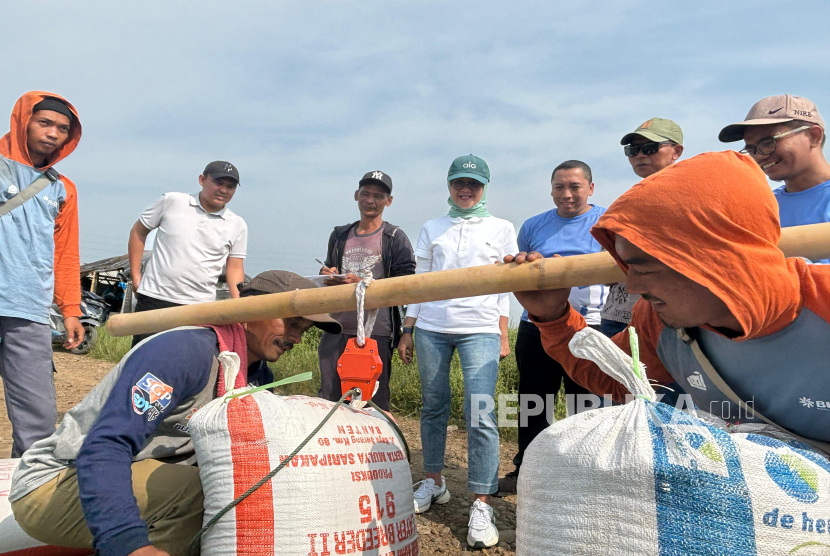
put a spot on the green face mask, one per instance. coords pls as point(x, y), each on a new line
point(480, 208)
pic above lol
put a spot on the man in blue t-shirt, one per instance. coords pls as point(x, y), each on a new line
point(563, 231)
point(785, 135)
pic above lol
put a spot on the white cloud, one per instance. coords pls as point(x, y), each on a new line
point(304, 97)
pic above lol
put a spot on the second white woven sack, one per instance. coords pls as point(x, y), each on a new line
point(647, 479)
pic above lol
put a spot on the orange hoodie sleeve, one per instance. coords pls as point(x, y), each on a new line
point(67, 254)
point(815, 286)
point(557, 334)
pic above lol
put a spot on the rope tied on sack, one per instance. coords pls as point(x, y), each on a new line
point(364, 330)
point(360, 294)
point(629, 371)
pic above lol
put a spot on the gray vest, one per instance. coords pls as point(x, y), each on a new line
point(170, 442)
point(784, 375)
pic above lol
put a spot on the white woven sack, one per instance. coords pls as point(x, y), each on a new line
point(647, 479)
point(349, 491)
point(13, 541)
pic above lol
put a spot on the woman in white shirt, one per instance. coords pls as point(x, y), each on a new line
point(477, 328)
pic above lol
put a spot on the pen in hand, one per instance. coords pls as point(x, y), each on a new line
point(326, 270)
point(335, 280)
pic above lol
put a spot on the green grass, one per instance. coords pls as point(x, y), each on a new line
point(405, 383)
point(110, 348)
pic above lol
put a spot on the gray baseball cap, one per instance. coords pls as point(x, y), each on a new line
point(281, 281)
point(773, 110)
point(221, 169)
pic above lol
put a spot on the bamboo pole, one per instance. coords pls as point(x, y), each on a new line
point(811, 241)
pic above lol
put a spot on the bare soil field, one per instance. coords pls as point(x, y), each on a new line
point(75, 376)
point(442, 530)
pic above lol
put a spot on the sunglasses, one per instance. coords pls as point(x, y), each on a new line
point(647, 148)
point(472, 185)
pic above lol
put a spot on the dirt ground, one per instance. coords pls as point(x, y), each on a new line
point(76, 375)
point(442, 530)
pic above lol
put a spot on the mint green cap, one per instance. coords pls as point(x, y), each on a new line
point(469, 166)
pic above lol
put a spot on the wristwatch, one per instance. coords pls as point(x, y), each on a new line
point(408, 329)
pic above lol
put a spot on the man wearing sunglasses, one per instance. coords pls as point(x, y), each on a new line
point(655, 145)
point(785, 135)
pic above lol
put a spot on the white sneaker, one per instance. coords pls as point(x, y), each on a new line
point(482, 532)
point(427, 493)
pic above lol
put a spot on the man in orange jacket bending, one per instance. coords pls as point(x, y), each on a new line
point(698, 241)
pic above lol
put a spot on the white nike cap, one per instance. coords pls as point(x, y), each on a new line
point(774, 110)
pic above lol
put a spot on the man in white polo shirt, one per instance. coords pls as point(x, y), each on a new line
point(197, 235)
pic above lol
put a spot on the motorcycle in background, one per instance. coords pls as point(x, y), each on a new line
point(94, 314)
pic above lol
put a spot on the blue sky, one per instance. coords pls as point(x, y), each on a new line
point(304, 97)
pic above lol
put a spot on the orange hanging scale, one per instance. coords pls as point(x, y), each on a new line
point(360, 367)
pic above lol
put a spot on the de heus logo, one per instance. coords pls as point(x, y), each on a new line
point(469, 165)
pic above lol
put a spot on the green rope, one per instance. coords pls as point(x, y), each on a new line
point(635, 351)
point(195, 544)
point(302, 377)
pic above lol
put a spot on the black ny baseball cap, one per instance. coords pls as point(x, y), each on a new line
point(221, 169)
point(281, 281)
point(377, 177)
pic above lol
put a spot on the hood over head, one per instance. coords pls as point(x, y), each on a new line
point(714, 219)
point(13, 145)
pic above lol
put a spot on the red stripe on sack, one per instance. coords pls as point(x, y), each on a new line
point(249, 453)
point(49, 551)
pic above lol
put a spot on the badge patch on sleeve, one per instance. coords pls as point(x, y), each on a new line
point(151, 396)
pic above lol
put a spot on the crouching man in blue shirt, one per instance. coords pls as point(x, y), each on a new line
point(119, 475)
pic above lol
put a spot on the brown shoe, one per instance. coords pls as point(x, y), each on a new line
point(507, 484)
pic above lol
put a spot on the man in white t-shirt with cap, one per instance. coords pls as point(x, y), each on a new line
point(785, 135)
point(197, 235)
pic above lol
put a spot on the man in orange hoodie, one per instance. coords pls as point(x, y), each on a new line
point(40, 261)
point(698, 241)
